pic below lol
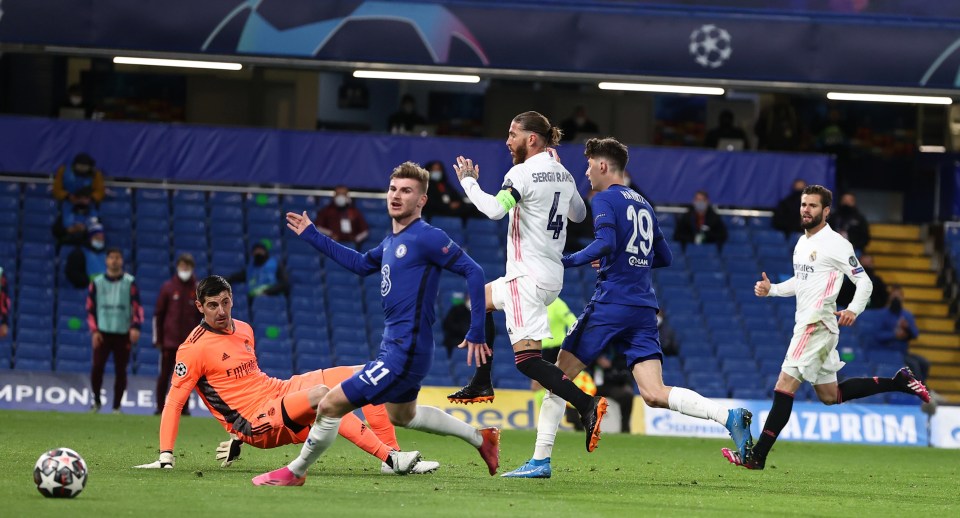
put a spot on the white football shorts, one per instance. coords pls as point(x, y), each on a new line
point(813, 356)
point(525, 306)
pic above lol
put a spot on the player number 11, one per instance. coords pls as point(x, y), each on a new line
point(375, 376)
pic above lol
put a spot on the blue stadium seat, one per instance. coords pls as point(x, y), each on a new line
point(482, 225)
point(35, 299)
point(40, 336)
point(43, 251)
point(704, 364)
point(259, 230)
point(769, 236)
point(486, 241)
point(228, 261)
point(33, 350)
point(312, 346)
point(447, 223)
point(352, 354)
point(307, 362)
point(83, 366)
point(299, 203)
point(191, 227)
point(310, 333)
point(42, 322)
point(159, 225)
point(270, 215)
point(35, 206)
point(370, 205)
point(74, 353)
point(750, 393)
point(190, 211)
point(188, 197)
point(697, 349)
point(225, 213)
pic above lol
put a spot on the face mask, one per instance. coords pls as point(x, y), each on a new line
point(436, 176)
point(184, 275)
point(896, 305)
point(97, 244)
point(259, 259)
point(700, 206)
point(76, 100)
point(340, 200)
point(82, 170)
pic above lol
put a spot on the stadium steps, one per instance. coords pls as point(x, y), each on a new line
point(902, 256)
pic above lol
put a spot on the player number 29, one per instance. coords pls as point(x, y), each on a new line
point(642, 227)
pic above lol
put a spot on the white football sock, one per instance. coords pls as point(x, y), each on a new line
point(322, 434)
point(688, 402)
point(431, 419)
point(551, 413)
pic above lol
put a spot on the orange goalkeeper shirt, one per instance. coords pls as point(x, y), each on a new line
point(223, 368)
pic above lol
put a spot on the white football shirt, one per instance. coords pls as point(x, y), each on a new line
point(546, 196)
point(819, 264)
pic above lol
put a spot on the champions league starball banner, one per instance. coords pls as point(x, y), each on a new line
point(772, 42)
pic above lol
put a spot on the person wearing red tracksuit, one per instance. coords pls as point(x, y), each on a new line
point(174, 317)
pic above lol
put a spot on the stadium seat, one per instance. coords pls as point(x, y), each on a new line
point(225, 213)
point(33, 349)
point(447, 223)
point(78, 366)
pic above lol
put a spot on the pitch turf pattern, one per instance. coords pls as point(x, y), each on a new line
point(627, 475)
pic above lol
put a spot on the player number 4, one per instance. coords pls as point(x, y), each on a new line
point(642, 227)
point(375, 376)
point(554, 220)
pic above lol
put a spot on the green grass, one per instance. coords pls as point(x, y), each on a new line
point(627, 476)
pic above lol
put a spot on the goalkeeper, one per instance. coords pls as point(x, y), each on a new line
point(218, 360)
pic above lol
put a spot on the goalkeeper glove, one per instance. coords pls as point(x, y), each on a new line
point(229, 451)
point(165, 462)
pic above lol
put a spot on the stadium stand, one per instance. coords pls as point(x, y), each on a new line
point(332, 317)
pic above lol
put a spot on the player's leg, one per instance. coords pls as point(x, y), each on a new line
point(856, 388)
point(551, 413)
point(807, 358)
point(787, 385)
point(480, 387)
point(121, 357)
point(376, 415)
point(333, 406)
point(100, 356)
point(433, 420)
point(525, 305)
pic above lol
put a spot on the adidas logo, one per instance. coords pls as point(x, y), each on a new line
point(225, 357)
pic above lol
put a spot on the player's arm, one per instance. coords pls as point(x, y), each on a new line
point(184, 379)
point(445, 252)
point(846, 261)
point(578, 209)
point(787, 288)
point(362, 264)
point(662, 255)
point(605, 236)
point(494, 207)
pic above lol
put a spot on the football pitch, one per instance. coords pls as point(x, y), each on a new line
point(626, 476)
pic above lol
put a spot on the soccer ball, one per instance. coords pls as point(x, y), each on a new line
point(710, 45)
point(60, 473)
